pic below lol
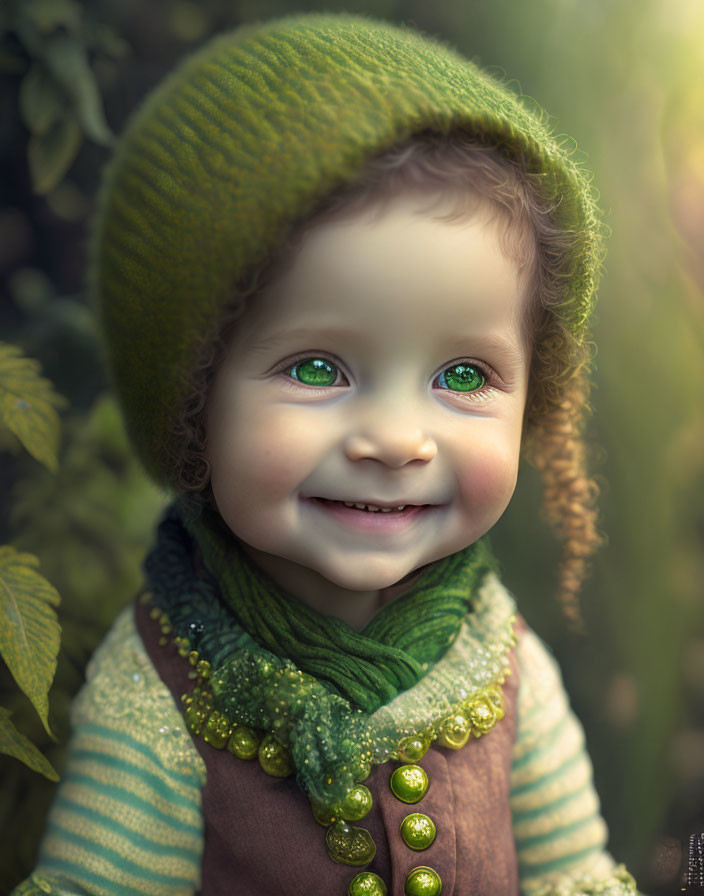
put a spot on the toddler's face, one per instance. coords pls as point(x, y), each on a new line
point(388, 366)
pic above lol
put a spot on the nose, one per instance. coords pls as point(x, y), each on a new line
point(390, 440)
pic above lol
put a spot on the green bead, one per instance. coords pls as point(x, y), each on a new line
point(203, 668)
point(361, 769)
point(274, 758)
point(481, 713)
point(418, 831)
point(409, 783)
point(196, 714)
point(367, 884)
point(217, 730)
point(413, 748)
point(423, 881)
point(493, 692)
point(244, 742)
point(357, 803)
point(323, 814)
point(349, 845)
point(454, 731)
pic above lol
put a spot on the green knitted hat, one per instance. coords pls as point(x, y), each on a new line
point(244, 138)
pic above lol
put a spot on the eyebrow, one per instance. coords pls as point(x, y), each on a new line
point(283, 336)
point(487, 343)
point(459, 344)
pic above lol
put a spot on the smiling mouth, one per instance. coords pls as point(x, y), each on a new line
point(364, 507)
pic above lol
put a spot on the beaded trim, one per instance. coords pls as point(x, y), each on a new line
point(460, 698)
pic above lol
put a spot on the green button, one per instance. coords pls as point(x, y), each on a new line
point(244, 742)
point(409, 783)
point(349, 845)
point(274, 758)
point(454, 731)
point(423, 881)
point(217, 730)
point(367, 884)
point(357, 803)
point(413, 748)
point(418, 831)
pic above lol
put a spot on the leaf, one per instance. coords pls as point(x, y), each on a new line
point(66, 58)
point(42, 101)
point(108, 41)
point(14, 743)
point(29, 629)
point(27, 405)
point(52, 154)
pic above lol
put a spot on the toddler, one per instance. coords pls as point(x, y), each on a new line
point(344, 280)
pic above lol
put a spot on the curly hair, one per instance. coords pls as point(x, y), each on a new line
point(460, 166)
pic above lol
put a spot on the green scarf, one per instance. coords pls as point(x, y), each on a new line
point(276, 665)
point(367, 668)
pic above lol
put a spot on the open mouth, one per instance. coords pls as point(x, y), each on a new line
point(397, 510)
point(366, 517)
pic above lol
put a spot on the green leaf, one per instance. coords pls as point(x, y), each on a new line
point(106, 40)
point(14, 743)
point(51, 155)
point(27, 405)
point(42, 100)
point(29, 629)
point(66, 58)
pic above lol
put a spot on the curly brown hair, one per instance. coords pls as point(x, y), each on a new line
point(461, 166)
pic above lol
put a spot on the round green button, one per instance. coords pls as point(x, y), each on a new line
point(413, 748)
point(244, 742)
point(274, 758)
point(423, 881)
point(409, 783)
point(357, 803)
point(367, 884)
point(454, 732)
point(418, 831)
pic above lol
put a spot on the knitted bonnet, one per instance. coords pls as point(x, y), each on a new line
point(239, 143)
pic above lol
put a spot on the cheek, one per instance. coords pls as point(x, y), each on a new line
point(258, 454)
point(488, 474)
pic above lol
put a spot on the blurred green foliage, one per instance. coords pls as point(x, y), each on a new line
point(90, 523)
point(59, 99)
point(29, 630)
point(626, 81)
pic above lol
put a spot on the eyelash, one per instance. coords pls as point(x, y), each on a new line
point(479, 395)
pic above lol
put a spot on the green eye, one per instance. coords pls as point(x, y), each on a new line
point(314, 372)
point(462, 378)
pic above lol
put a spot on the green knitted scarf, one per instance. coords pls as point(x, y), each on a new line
point(278, 666)
point(367, 668)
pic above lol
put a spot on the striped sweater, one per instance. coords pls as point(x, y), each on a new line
point(127, 818)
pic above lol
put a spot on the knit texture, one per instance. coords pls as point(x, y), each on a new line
point(321, 706)
point(368, 668)
point(239, 143)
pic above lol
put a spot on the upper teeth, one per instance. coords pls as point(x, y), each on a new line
point(374, 507)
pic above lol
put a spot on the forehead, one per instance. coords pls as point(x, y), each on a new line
point(396, 267)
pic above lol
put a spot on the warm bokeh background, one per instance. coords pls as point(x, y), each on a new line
point(626, 80)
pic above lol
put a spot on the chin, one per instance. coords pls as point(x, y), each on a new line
point(364, 580)
point(362, 575)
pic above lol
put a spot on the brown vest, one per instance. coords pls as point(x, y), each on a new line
point(261, 838)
